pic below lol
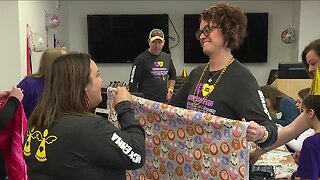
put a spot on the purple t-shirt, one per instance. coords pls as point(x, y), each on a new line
point(309, 160)
point(32, 89)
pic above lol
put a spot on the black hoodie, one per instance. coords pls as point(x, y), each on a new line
point(86, 147)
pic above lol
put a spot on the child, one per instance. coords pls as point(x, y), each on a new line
point(309, 160)
point(296, 144)
point(301, 95)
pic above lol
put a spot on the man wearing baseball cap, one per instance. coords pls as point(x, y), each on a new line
point(153, 73)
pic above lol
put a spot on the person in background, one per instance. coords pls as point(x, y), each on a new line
point(73, 143)
point(281, 107)
point(32, 85)
point(153, 73)
point(223, 86)
point(309, 160)
point(296, 144)
point(301, 95)
point(7, 112)
point(311, 60)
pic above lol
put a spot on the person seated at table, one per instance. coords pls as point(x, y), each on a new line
point(309, 160)
point(301, 95)
point(311, 59)
point(282, 107)
point(296, 144)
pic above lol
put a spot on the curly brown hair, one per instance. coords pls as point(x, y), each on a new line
point(230, 19)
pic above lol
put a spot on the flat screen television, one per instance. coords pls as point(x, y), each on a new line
point(254, 48)
point(291, 70)
point(121, 38)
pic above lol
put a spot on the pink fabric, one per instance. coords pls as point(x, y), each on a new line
point(11, 144)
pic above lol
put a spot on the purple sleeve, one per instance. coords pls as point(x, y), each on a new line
point(309, 160)
point(28, 106)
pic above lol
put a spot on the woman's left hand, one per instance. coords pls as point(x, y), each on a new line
point(254, 131)
point(169, 96)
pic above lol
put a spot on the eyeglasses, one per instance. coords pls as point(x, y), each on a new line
point(206, 31)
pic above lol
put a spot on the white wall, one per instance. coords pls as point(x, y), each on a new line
point(281, 16)
point(33, 14)
point(10, 55)
point(73, 30)
point(309, 23)
point(15, 16)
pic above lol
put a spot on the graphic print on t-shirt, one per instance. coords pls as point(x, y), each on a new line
point(199, 101)
point(264, 104)
point(44, 139)
point(159, 71)
point(31, 134)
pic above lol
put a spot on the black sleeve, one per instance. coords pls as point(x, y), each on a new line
point(135, 75)
point(250, 104)
point(180, 99)
point(172, 71)
point(108, 146)
point(8, 111)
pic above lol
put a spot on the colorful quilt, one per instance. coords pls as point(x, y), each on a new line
point(185, 144)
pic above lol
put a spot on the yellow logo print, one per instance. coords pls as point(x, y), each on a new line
point(41, 152)
point(27, 146)
point(160, 63)
point(207, 89)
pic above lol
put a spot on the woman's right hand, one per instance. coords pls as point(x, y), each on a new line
point(255, 155)
point(121, 94)
point(16, 92)
point(4, 94)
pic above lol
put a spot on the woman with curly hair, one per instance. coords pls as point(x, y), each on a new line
point(223, 86)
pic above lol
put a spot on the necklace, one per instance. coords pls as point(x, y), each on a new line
point(206, 88)
point(210, 79)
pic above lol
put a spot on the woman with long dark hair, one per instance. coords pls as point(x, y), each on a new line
point(66, 141)
point(282, 108)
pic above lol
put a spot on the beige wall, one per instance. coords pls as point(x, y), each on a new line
point(281, 15)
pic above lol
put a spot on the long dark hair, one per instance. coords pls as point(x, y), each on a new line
point(274, 95)
point(64, 90)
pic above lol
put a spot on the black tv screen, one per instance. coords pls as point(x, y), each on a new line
point(253, 49)
point(121, 38)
